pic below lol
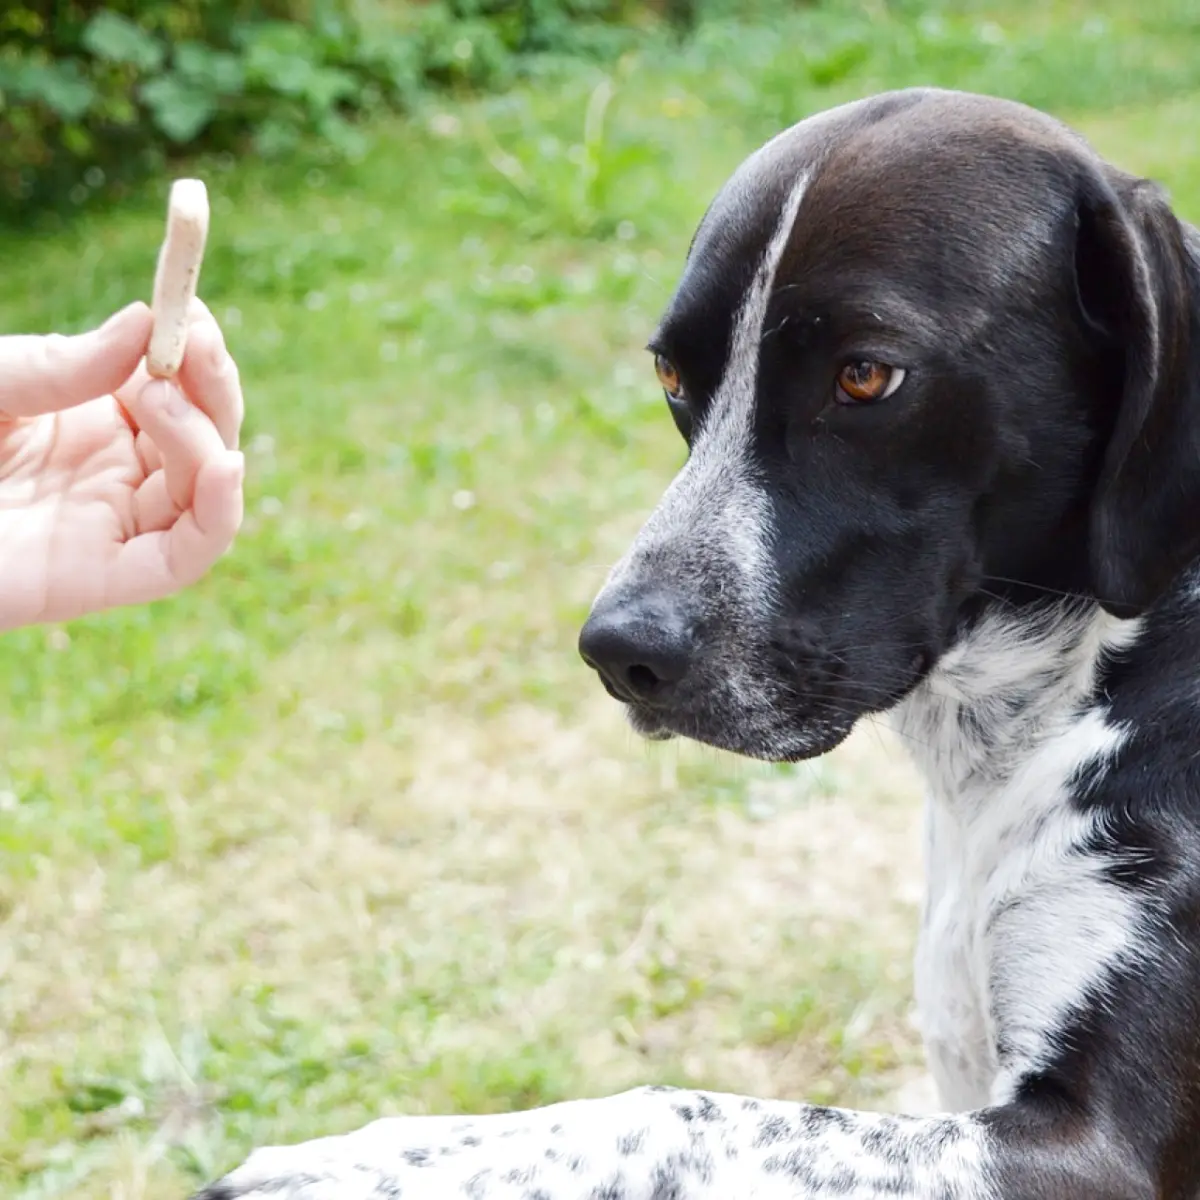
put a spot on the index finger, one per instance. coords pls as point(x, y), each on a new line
point(48, 373)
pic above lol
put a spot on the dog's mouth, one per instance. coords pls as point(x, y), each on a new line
point(786, 692)
point(770, 717)
point(757, 736)
point(649, 725)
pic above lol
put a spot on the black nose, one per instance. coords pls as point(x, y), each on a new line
point(640, 645)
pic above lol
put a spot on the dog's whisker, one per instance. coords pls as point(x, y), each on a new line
point(1083, 597)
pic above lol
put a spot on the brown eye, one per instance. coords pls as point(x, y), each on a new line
point(863, 381)
point(668, 376)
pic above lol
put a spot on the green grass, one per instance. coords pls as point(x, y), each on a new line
point(348, 829)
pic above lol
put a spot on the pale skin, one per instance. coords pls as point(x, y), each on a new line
point(115, 489)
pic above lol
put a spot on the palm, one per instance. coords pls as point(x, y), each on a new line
point(121, 499)
point(68, 483)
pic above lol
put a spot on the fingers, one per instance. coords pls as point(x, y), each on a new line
point(189, 508)
point(154, 565)
point(147, 453)
point(183, 436)
point(41, 374)
point(188, 512)
point(153, 506)
point(209, 375)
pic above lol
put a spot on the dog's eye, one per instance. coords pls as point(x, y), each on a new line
point(668, 376)
point(677, 402)
point(863, 381)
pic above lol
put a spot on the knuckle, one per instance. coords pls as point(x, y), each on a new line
point(54, 363)
point(56, 348)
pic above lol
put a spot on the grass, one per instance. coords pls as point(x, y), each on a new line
point(348, 829)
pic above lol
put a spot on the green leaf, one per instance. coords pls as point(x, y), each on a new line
point(179, 108)
point(116, 39)
point(78, 140)
point(284, 37)
point(214, 70)
point(289, 59)
point(23, 20)
point(278, 70)
point(327, 85)
point(57, 85)
point(276, 137)
point(118, 108)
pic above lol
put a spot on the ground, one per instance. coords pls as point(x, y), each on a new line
point(349, 829)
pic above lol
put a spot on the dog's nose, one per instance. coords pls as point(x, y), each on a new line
point(640, 646)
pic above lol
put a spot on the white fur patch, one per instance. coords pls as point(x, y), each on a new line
point(715, 491)
point(1019, 922)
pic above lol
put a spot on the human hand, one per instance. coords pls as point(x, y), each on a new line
point(115, 489)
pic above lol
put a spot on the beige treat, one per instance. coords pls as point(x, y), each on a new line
point(177, 275)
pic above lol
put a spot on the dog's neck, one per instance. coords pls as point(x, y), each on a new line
point(1015, 679)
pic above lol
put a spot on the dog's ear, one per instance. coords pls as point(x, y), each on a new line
point(1138, 284)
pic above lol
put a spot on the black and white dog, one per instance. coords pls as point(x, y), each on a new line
point(938, 369)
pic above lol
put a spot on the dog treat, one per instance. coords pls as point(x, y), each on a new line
point(177, 275)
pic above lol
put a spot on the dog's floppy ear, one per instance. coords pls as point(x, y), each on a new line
point(1139, 284)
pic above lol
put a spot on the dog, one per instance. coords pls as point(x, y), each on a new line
point(938, 369)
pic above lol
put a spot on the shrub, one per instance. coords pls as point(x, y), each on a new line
point(94, 93)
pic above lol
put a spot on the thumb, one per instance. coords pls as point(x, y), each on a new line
point(41, 374)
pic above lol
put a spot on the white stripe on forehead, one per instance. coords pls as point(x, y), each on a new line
point(718, 479)
point(730, 416)
point(715, 501)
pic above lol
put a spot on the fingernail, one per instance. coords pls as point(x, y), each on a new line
point(237, 457)
point(165, 396)
point(120, 318)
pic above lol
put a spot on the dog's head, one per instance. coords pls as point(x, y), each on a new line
point(927, 349)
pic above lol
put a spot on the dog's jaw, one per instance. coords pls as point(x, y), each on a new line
point(778, 742)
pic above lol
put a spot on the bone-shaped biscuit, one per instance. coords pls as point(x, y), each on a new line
point(177, 275)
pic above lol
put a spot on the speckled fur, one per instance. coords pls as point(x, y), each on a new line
point(649, 1144)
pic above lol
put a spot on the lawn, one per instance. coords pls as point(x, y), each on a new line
point(349, 829)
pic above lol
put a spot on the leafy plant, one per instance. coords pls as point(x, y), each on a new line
point(95, 94)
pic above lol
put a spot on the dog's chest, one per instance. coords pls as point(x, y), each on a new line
point(951, 981)
point(1020, 917)
point(1020, 920)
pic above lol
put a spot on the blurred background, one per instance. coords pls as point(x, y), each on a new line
point(349, 829)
